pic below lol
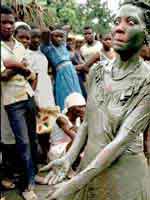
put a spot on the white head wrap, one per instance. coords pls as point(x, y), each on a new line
point(74, 99)
point(20, 23)
point(58, 31)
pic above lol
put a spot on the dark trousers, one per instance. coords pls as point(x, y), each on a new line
point(22, 118)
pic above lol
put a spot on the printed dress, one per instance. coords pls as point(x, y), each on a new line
point(115, 108)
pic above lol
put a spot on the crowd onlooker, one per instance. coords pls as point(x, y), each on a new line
point(66, 80)
point(18, 100)
point(44, 92)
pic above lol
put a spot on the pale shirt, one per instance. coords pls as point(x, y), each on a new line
point(88, 51)
point(17, 88)
point(59, 141)
point(44, 91)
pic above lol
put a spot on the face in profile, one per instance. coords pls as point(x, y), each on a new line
point(128, 32)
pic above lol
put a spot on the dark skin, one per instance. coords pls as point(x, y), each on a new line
point(35, 39)
point(24, 37)
point(127, 35)
point(107, 45)
point(12, 67)
point(63, 124)
point(145, 52)
point(74, 112)
point(89, 36)
point(107, 42)
point(57, 38)
point(79, 44)
point(34, 45)
point(45, 36)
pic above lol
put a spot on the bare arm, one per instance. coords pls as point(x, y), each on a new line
point(34, 82)
point(19, 67)
point(86, 66)
point(78, 143)
point(8, 74)
point(12, 64)
point(147, 144)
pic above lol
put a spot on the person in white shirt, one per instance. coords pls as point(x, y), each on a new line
point(18, 101)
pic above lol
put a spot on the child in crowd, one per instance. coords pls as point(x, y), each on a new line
point(66, 79)
point(47, 111)
point(42, 85)
point(107, 52)
point(65, 130)
point(22, 34)
point(38, 62)
point(62, 136)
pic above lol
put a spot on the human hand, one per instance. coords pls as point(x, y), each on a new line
point(60, 191)
point(24, 72)
point(59, 170)
point(12, 63)
point(24, 62)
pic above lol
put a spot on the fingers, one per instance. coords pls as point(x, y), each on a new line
point(49, 176)
point(52, 180)
point(51, 194)
point(46, 167)
point(56, 178)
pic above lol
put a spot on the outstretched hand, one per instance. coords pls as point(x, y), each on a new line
point(57, 191)
point(58, 171)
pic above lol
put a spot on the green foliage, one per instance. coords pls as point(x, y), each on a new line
point(69, 12)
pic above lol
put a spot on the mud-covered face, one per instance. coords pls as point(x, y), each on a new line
point(128, 33)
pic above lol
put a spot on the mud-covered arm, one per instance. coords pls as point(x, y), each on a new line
point(78, 143)
point(132, 126)
point(82, 133)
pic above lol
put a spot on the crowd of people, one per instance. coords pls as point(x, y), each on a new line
point(77, 106)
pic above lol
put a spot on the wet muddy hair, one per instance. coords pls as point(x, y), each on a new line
point(145, 7)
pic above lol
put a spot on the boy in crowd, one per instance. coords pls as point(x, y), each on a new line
point(18, 101)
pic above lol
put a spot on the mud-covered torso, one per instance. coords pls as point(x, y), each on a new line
point(110, 100)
